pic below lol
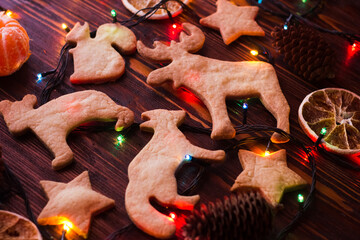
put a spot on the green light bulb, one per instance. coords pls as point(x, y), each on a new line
point(300, 198)
point(120, 140)
point(323, 131)
point(113, 13)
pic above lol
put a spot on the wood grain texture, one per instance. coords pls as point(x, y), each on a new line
point(335, 212)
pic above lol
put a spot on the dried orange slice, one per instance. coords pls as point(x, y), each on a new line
point(14, 45)
point(14, 226)
point(135, 5)
point(337, 110)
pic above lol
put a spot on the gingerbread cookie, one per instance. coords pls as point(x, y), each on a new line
point(53, 121)
point(73, 202)
point(151, 173)
point(213, 80)
point(95, 59)
point(269, 174)
point(233, 21)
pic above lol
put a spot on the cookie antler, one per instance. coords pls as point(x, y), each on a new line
point(191, 42)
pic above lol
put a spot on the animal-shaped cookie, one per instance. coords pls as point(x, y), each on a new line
point(53, 121)
point(269, 174)
point(233, 21)
point(151, 173)
point(213, 80)
point(95, 59)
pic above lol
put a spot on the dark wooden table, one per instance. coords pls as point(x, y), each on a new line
point(335, 212)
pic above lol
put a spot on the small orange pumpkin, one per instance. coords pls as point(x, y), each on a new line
point(14, 45)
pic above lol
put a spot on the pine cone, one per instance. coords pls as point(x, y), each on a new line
point(305, 51)
point(242, 216)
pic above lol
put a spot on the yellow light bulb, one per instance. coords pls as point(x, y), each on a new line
point(64, 26)
point(67, 226)
point(267, 153)
point(9, 13)
point(254, 52)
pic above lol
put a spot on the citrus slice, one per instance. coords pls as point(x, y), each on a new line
point(337, 110)
point(14, 226)
point(135, 5)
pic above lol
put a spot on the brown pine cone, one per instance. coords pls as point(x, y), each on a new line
point(305, 51)
point(241, 216)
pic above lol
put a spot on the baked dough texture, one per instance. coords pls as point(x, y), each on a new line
point(151, 172)
point(214, 81)
point(53, 121)
point(95, 59)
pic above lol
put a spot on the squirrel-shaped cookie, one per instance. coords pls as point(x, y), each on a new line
point(213, 81)
point(95, 59)
point(53, 121)
point(151, 173)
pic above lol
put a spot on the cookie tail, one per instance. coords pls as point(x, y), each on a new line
point(147, 218)
point(125, 118)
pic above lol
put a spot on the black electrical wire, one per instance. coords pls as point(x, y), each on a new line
point(16, 187)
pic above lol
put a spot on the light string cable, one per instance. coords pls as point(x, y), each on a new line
point(16, 187)
point(351, 37)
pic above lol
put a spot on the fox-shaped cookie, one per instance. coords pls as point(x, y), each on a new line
point(53, 121)
point(151, 172)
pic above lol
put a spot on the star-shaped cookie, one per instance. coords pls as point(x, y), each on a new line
point(269, 174)
point(73, 202)
point(233, 21)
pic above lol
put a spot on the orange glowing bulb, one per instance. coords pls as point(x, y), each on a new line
point(174, 25)
point(67, 226)
point(64, 26)
point(173, 215)
point(254, 52)
point(267, 153)
point(9, 13)
point(353, 47)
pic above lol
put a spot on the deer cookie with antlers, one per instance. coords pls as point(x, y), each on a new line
point(151, 172)
point(95, 59)
point(53, 121)
point(214, 80)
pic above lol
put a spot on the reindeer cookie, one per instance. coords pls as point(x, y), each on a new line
point(54, 120)
point(151, 173)
point(213, 80)
point(95, 59)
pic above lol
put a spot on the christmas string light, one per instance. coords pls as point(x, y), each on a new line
point(114, 14)
point(8, 12)
point(321, 136)
point(66, 228)
point(245, 109)
point(300, 199)
point(57, 75)
point(65, 27)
